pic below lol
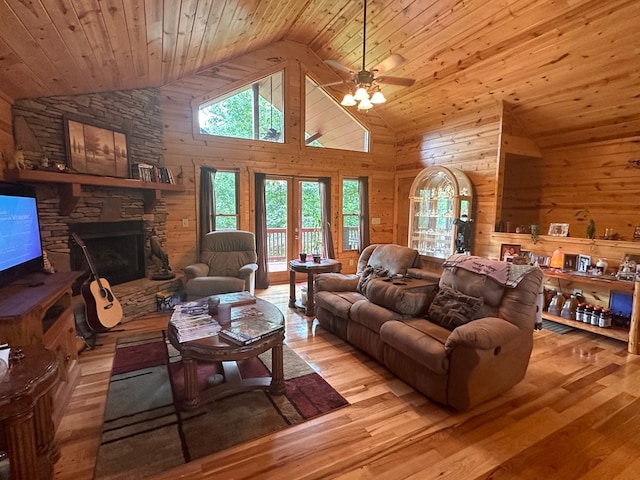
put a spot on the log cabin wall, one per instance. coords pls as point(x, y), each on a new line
point(466, 139)
point(6, 134)
point(185, 152)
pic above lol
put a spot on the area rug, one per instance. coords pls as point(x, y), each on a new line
point(145, 432)
point(556, 327)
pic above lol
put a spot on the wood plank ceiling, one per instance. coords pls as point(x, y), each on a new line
point(569, 68)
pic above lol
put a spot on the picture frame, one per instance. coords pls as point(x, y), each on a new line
point(543, 260)
point(569, 261)
point(583, 263)
point(96, 149)
point(559, 229)
point(508, 251)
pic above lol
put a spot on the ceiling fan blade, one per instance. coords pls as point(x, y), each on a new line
point(389, 63)
point(331, 84)
point(338, 66)
point(404, 82)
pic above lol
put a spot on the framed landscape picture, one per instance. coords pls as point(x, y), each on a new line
point(559, 229)
point(96, 150)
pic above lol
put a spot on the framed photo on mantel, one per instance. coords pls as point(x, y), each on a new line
point(95, 149)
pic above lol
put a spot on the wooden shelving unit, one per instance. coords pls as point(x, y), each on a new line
point(70, 186)
point(631, 336)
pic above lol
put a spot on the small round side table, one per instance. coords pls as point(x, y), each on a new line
point(326, 265)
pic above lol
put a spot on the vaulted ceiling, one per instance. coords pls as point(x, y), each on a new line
point(568, 68)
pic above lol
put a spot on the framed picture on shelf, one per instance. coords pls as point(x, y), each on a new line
point(559, 229)
point(96, 149)
point(584, 263)
point(569, 261)
point(543, 260)
point(508, 251)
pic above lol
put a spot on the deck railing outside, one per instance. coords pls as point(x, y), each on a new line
point(310, 242)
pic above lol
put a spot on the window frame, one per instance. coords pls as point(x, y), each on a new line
point(227, 90)
point(236, 173)
point(344, 215)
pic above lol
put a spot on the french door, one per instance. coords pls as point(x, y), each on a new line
point(294, 221)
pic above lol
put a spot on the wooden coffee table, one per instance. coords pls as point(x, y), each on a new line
point(216, 349)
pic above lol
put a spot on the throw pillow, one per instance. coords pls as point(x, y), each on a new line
point(451, 308)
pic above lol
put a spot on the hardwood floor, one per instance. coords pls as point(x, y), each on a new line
point(576, 415)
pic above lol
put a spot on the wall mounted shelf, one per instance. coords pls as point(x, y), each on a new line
point(70, 186)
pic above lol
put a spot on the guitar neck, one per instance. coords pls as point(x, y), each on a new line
point(92, 268)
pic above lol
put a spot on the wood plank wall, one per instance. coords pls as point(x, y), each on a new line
point(186, 152)
point(6, 133)
point(467, 140)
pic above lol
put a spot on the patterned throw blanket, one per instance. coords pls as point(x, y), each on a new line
point(504, 273)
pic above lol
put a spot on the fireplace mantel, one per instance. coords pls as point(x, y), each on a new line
point(70, 186)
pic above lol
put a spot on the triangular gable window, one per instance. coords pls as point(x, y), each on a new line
point(328, 125)
point(254, 112)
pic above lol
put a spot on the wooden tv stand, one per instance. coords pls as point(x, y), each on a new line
point(43, 315)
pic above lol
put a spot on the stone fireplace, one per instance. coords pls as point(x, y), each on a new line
point(116, 249)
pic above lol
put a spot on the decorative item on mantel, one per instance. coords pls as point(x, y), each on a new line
point(557, 259)
point(155, 250)
point(627, 270)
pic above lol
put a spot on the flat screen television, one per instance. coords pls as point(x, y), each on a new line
point(20, 243)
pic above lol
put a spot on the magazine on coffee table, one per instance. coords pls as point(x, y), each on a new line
point(236, 298)
point(250, 331)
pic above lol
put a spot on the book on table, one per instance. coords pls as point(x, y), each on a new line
point(192, 321)
point(236, 298)
point(248, 331)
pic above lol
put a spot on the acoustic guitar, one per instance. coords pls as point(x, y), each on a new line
point(102, 307)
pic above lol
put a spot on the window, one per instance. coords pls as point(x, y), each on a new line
point(328, 125)
point(253, 112)
point(351, 213)
point(225, 187)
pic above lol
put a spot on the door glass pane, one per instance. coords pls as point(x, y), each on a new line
point(226, 194)
point(311, 217)
point(276, 202)
point(350, 214)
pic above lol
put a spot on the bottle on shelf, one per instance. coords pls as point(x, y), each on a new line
point(569, 308)
point(605, 318)
point(556, 303)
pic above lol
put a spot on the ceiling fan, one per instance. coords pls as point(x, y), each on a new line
point(366, 83)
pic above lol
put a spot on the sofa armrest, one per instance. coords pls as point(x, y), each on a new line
point(336, 282)
point(485, 334)
point(196, 270)
point(247, 270)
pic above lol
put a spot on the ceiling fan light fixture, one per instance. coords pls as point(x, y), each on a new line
point(365, 104)
point(361, 94)
point(348, 101)
point(378, 97)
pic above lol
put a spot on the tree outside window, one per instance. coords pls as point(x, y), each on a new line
point(351, 212)
point(253, 112)
point(225, 186)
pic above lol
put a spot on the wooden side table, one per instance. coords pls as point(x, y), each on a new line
point(326, 265)
point(25, 414)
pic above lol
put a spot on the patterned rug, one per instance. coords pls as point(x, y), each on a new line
point(144, 433)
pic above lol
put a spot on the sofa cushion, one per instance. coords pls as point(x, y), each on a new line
point(419, 340)
point(395, 259)
point(338, 303)
point(371, 315)
point(405, 296)
point(369, 273)
point(451, 308)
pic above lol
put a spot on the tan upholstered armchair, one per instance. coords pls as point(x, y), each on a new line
point(227, 264)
